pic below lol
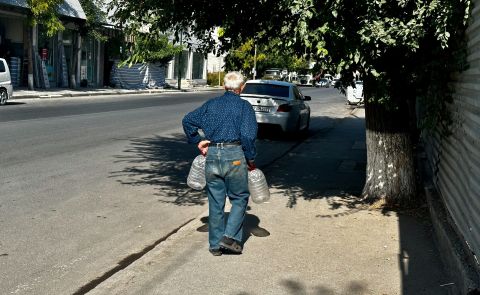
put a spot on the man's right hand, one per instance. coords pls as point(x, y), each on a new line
point(203, 147)
point(251, 165)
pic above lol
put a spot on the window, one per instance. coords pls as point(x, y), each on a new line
point(266, 89)
point(272, 72)
point(297, 93)
point(197, 65)
point(184, 65)
point(2, 67)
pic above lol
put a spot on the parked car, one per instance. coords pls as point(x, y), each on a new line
point(305, 80)
point(355, 94)
point(6, 88)
point(323, 83)
point(278, 103)
point(335, 83)
point(273, 74)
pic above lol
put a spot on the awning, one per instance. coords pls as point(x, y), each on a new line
point(70, 8)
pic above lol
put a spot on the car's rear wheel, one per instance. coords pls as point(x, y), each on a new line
point(302, 133)
point(308, 125)
point(3, 97)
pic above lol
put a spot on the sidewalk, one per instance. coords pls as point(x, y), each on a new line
point(312, 237)
point(20, 93)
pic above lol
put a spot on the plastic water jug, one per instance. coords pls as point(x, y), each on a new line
point(196, 176)
point(258, 187)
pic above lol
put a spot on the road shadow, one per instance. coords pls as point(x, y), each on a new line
point(11, 103)
point(162, 162)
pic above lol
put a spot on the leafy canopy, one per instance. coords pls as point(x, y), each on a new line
point(45, 12)
point(243, 58)
point(150, 48)
point(355, 33)
point(402, 48)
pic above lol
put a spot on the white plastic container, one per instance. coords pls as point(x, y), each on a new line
point(196, 176)
point(258, 187)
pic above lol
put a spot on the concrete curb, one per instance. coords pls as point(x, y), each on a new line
point(59, 94)
point(129, 272)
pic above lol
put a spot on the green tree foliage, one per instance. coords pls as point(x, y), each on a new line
point(45, 12)
point(243, 57)
point(268, 56)
point(215, 78)
point(96, 16)
point(150, 48)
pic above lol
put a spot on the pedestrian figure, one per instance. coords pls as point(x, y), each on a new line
point(230, 128)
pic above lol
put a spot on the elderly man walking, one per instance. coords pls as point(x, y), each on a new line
point(230, 129)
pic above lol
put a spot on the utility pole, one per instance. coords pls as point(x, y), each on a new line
point(255, 62)
point(179, 72)
point(218, 59)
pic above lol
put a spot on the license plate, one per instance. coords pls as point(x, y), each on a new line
point(261, 109)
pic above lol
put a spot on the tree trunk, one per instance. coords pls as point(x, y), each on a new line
point(30, 81)
point(73, 63)
point(390, 159)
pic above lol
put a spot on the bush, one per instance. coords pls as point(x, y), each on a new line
point(212, 78)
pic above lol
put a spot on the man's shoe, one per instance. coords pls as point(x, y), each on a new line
point(216, 252)
point(230, 245)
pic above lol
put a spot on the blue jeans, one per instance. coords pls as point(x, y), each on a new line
point(226, 175)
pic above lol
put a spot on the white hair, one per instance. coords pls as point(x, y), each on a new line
point(233, 80)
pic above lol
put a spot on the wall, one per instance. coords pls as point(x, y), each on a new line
point(138, 76)
point(455, 159)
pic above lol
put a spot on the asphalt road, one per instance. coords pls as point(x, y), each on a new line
point(87, 185)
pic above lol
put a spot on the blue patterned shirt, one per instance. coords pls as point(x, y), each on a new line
point(226, 118)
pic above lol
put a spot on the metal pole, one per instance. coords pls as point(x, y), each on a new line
point(218, 57)
point(255, 63)
point(179, 71)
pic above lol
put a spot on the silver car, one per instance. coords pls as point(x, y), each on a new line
point(6, 88)
point(278, 103)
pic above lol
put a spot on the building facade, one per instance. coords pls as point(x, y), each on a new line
point(192, 67)
point(65, 59)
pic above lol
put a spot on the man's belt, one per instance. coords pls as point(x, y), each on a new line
point(222, 144)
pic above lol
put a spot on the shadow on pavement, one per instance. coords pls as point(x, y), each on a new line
point(418, 258)
point(161, 162)
point(251, 227)
point(353, 288)
point(327, 165)
point(331, 163)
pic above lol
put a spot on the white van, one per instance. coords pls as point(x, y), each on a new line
point(6, 88)
point(355, 94)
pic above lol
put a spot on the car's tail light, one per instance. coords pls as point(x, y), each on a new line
point(284, 108)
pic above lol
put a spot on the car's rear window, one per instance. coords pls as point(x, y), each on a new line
point(266, 89)
point(272, 72)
